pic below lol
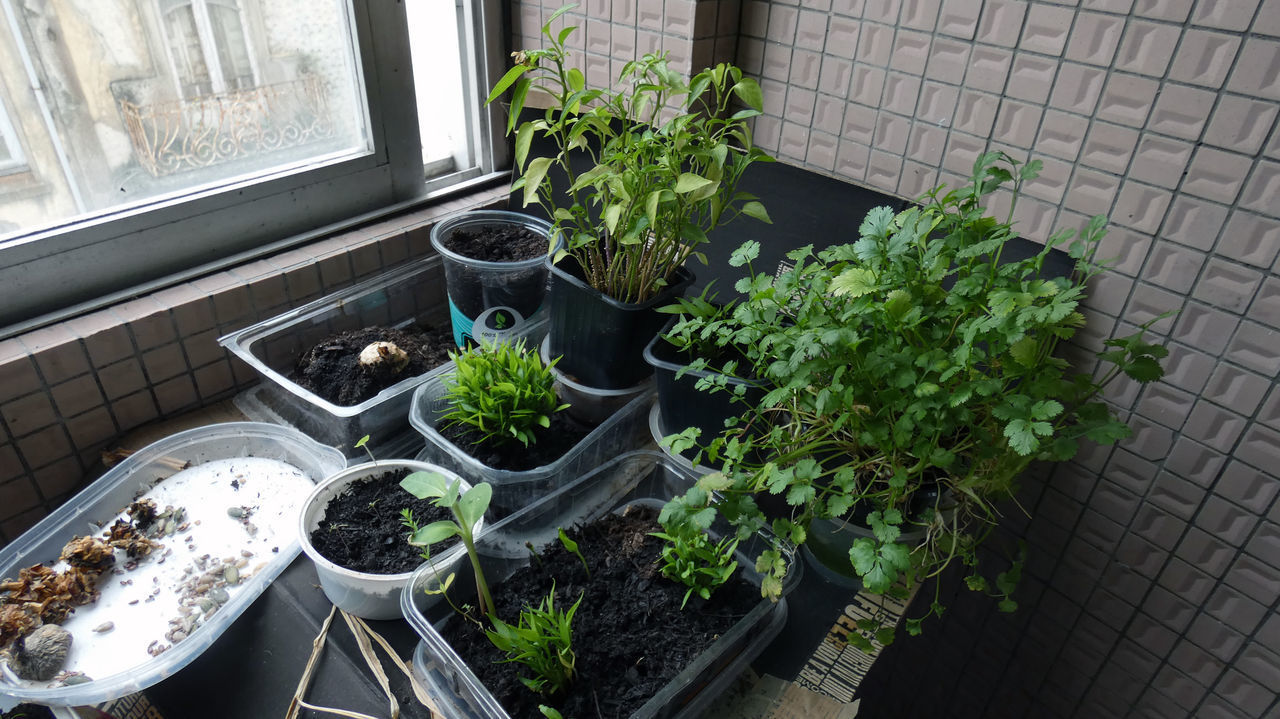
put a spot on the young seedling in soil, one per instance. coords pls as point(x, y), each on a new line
point(690, 558)
point(467, 509)
point(503, 393)
point(543, 642)
point(572, 547)
point(364, 444)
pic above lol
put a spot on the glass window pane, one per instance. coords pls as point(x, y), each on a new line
point(438, 83)
point(163, 99)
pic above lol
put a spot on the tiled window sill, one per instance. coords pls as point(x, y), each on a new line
point(70, 390)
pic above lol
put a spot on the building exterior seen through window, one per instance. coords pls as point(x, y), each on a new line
point(126, 102)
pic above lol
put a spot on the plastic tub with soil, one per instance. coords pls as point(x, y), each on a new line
point(351, 528)
point(310, 358)
point(148, 566)
point(522, 476)
point(493, 264)
point(661, 669)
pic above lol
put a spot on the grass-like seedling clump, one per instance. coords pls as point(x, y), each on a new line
point(503, 392)
point(543, 642)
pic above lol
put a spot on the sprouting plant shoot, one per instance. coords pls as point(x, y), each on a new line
point(572, 547)
point(467, 509)
point(690, 558)
point(503, 392)
point(542, 642)
point(364, 444)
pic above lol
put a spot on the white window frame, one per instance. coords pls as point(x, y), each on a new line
point(17, 161)
point(54, 274)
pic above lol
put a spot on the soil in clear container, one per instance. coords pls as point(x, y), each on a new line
point(333, 368)
point(630, 635)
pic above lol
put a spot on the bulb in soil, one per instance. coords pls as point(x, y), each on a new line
point(384, 353)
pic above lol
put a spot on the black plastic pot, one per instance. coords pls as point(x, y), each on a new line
point(599, 339)
point(681, 404)
point(491, 300)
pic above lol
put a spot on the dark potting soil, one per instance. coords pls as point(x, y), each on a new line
point(361, 529)
point(332, 369)
point(553, 442)
point(497, 243)
point(629, 634)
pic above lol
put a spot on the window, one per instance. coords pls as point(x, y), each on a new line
point(11, 158)
point(207, 46)
point(194, 133)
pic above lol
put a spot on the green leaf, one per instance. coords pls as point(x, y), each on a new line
point(425, 484)
point(1143, 369)
point(854, 282)
point(474, 503)
point(745, 253)
point(533, 177)
point(756, 209)
point(507, 81)
point(1025, 351)
point(524, 137)
point(689, 182)
point(434, 532)
point(748, 91)
point(863, 555)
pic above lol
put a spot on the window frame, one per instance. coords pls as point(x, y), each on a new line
point(56, 273)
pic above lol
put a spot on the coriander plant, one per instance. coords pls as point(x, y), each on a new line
point(503, 392)
point(913, 375)
point(690, 558)
point(666, 155)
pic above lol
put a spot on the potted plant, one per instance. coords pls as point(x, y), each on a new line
point(494, 269)
point(665, 157)
point(499, 417)
point(913, 375)
point(546, 568)
point(696, 372)
point(356, 525)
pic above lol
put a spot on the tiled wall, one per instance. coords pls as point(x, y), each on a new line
point(69, 391)
point(1155, 570)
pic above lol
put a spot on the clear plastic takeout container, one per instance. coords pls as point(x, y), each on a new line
point(107, 497)
point(622, 431)
point(413, 295)
point(630, 478)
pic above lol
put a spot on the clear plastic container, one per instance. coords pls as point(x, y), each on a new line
point(492, 301)
point(404, 297)
point(679, 460)
point(592, 404)
point(103, 500)
point(622, 431)
point(365, 595)
point(628, 478)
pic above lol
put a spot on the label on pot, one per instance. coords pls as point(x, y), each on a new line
point(495, 324)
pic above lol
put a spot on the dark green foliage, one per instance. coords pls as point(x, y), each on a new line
point(502, 391)
point(913, 374)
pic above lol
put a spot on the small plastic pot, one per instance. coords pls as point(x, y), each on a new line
point(600, 339)
point(681, 404)
point(591, 405)
point(365, 595)
point(492, 301)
